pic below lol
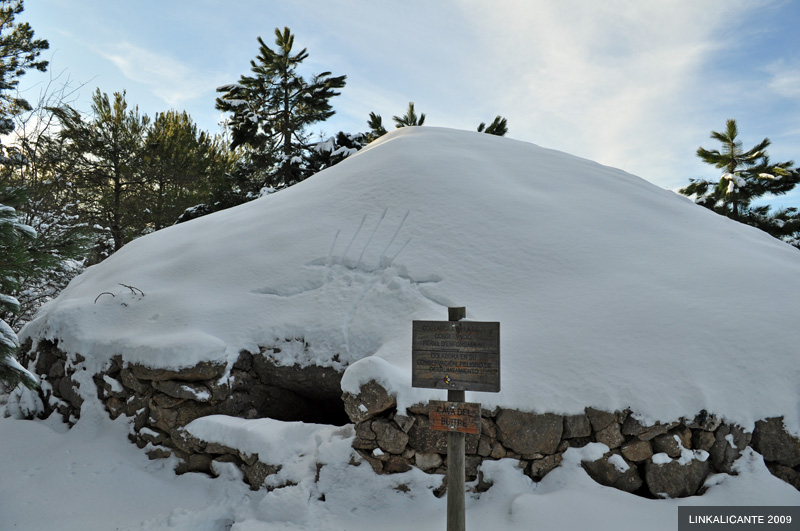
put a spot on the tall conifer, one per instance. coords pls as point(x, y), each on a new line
point(271, 110)
point(19, 52)
point(747, 175)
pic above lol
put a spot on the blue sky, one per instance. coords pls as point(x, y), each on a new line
point(633, 84)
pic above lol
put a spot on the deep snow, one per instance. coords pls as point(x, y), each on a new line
point(611, 292)
point(91, 478)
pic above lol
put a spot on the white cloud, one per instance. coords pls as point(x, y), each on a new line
point(606, 80)
point(785, 78)
point(632, 84)
point(170, 79)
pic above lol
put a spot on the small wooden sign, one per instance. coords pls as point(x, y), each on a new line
point(461, 417)
point(456, 355)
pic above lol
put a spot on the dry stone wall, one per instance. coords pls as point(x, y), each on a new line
point(649, 460)
point(671, 460)
point(162, 402)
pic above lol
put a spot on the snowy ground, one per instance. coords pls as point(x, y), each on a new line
point(91, 478)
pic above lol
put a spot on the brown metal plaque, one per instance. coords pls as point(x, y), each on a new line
point(458, 355)
point(462, 417)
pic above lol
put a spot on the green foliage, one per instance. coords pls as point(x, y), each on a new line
point(19, 257)
point(179, 164)
point(15, 261)
point(271, 110)
point(498, 127)
point(134, 175)
point(410, 118)
point(334, 150)
point(103, 155)
point(63, 240)
point(376, 129)
point(19, 52)
point(747, 176)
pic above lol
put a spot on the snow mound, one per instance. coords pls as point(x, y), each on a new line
point(611, 292)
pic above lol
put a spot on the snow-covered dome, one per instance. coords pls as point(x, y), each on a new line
point(610, 291)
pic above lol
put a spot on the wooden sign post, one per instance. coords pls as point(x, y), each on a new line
point(457, 356)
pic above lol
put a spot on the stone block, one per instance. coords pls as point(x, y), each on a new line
point(683, 434)
point(613, 470)
point(158, 453)
point(427, 462)
point(484, 446)
point(667, 444)
point(529, 433)
point(787, 474)
point(183, 390)
point(498, 451)
point(705, 421)
point(637, 450)
point(67, 389)
point(637, 428)
point(471, 465)
point(703, 440)
point(576, 426)
point(194, 463)
point(674, 479)
point(425, 440)
point(364, 431)
point(255, 474)
point(390, 438)
point(539, 468)
point(371, 400)
point(205, 370)
point(729, 441)
point(599, 419)
point(56, 370)
point(488, 427)
point(611, 436)
point(404, 422)
point(128, 380)
point(771, 440)
point(396, 465)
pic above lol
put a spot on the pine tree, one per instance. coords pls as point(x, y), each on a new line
point(19, 52)
point(410, 118)
point(334, 150)
point(15, 262)
point(105, 157)
point(747, 176)
point(272, 109)
point(498, 127)
point(34, 165)
point(375, 124)
point(179, 163)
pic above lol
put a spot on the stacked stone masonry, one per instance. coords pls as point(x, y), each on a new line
point(671, 460)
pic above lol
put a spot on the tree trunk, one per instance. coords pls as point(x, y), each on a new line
point(116, 216)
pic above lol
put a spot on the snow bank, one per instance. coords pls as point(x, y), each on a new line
point(612, 292)
point(91, 478)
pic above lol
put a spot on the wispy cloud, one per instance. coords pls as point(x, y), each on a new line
point(173, 81)
point(785, 78)
point(605, 80)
